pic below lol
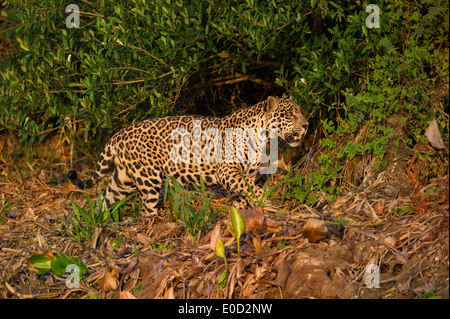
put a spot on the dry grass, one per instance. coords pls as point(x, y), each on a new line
point(157, 260)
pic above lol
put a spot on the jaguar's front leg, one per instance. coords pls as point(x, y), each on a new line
point(231, 177)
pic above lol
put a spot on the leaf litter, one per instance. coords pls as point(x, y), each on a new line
point(289, 250)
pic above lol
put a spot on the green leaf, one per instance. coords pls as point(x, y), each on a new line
point(40, 263)
point(115, 243)
point(24, 47)
point(364, 30)
point(60, 262)
point(312, 199)
point(87, 218)
point(222, 283)
point(220, 248)
point(237, 227)
point(201, 45)
point(237, 222)
point(117, 205)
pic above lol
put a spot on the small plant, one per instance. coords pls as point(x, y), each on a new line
point(138, 288)
point(430, 295)
point(305, 188)
point(300, 188)
point(89, 224)
point(404, 210)
point(220, 252)
point(237, 227)
point(114, 244)
point(43, 263)
point(342, 223)
point(161, 246)
point(193, 218)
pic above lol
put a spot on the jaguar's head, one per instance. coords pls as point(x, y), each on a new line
point(284, 114)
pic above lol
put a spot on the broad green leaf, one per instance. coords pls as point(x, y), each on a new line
point(40, 263)
point(220, 248)
point(60, 262)
point(237, 222)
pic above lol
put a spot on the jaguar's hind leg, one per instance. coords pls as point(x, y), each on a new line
point(120, 186)
point(149, 187)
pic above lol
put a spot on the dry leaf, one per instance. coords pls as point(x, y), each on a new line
point(272, 226)
point(434, 136)
point(253, 219)
point(315, 230)
point(284, 270)
point(403, 288)
point(143, 239)
point(110, 280)
point(402, 256)
point(260, 271)
point(214, 234)
point(69, 187)
point(193, 292)
point(193, 271)
point(41, 241)
point(28, 216)
point(13, 212)
point(249, 286)
point(390, 241)
point(256, 243)
point(126, 295)
point(42, 196)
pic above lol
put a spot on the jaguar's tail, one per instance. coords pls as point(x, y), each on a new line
point(103, 167)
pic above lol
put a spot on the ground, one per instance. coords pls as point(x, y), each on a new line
point(394, 220)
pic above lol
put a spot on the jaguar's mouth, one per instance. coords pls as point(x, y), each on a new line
point(293, 138)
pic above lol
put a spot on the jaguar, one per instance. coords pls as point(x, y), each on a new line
point(143, 155)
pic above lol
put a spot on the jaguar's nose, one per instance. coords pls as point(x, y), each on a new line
point(305, 126)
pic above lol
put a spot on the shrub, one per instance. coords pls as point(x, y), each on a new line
point(134, 59)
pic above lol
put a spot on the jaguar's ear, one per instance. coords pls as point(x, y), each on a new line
point(271, 104)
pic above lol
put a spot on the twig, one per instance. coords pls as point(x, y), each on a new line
point(23, 296)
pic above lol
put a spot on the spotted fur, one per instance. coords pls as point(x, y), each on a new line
point(139, 155)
